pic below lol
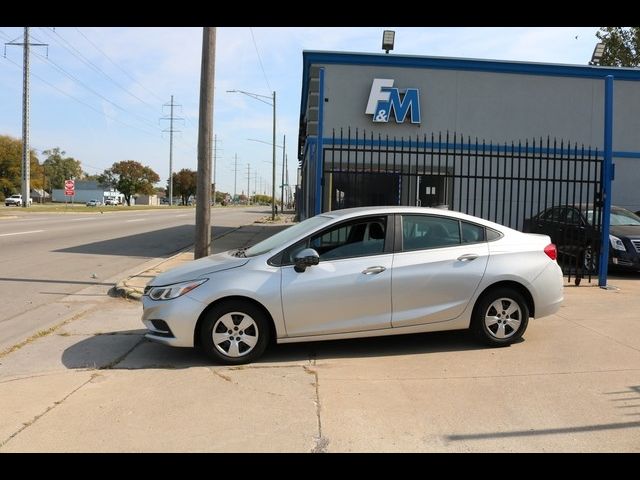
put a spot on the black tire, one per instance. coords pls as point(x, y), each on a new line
point(230, 316)
point(502, 333)
point(588, 261)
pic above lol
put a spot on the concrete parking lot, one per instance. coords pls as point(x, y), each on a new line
point(95, 385)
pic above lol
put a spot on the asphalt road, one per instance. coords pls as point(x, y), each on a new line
point(46, 256)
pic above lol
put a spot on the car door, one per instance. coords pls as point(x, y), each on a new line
point(438, 269)
point(350, 288)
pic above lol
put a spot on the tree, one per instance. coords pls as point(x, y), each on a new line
point(184, 184)
point(11, 166)
point(130, 177)
point(59, 168)
point(621, 46)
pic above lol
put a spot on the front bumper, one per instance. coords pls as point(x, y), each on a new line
point(180, 315)
point(624, 260)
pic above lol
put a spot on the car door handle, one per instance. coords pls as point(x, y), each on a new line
point(374, 270)
point(467, 257)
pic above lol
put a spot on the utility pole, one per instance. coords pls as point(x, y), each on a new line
point(215, 165)
point(255, 184)
point(26, 166)
point(284, 148)
point(235, 176)
point(205, 131)
point(273, 185)
point(248, 183)
point(171, 118)
point(287, 181)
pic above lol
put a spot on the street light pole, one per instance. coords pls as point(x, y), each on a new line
point(273, 186)
point(284, 142)
point(273, 104)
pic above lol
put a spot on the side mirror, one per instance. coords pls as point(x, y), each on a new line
point(304, 259)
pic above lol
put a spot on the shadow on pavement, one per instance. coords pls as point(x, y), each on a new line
point(129, 350)
point(157, 243)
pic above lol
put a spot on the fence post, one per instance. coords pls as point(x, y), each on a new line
point(607, 170)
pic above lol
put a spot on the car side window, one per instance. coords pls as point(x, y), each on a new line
point(356, 238)
point(472, 233)
point(573, 217)
point(423, 231)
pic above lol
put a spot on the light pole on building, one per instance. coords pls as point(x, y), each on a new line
point(273, 104)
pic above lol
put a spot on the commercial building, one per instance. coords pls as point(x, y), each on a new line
point(498, 139)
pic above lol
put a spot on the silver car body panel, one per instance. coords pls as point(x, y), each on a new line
point(352, 300)
point(335, 299)
point(436, 285)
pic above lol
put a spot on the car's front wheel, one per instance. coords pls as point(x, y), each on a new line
point(501, 317)
point(234, 332)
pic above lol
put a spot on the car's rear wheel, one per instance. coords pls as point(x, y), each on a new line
point(234, 332)
point(588, 260)
point(500, 317)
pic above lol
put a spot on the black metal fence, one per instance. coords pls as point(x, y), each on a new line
point(546, 186)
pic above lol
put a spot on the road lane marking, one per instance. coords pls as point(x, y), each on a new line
point(20, 233)
point(80, 219)
point(136, 220)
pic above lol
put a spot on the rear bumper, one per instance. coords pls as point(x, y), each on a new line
point(548, 291)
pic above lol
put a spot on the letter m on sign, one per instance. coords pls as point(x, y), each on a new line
point(400, 107)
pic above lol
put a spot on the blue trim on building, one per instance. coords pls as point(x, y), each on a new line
point(463, 64)
point(319, 159)
point(607, 171)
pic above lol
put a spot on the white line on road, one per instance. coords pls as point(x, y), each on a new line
point(185, 215)
point(80, 219)
point(20, 233)
point(136, 220)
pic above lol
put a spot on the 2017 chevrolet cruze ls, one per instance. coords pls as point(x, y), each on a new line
point(358, 272)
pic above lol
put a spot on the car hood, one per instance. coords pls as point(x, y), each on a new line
point(632, 231)
point(199, 268)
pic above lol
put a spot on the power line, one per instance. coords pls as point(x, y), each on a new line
point(83, 102)
point(71, 49)
point(116, 65)
point(87, 87)
point(259, 59)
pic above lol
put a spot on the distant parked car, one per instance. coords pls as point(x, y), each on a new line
point(571, 228)
point(111, 201)
point(93, 203)
point(330, 277)
point(16, 200)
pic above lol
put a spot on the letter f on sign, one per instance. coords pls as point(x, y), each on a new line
point(378, 95)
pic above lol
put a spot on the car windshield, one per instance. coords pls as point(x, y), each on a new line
point(619, 216)
point(286, 235)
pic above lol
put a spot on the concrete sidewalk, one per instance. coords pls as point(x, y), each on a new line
point(94, 384)
point(244, 236)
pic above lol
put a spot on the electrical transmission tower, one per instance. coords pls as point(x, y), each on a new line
point(171, 130)
point(26, 171)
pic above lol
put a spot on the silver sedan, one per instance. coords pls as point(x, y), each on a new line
point(358, 272)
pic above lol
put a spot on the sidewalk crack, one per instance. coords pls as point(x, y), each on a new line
point(49, 408)
point(115, 362)
point(321, 443)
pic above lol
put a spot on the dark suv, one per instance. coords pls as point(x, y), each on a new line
point(571, 228)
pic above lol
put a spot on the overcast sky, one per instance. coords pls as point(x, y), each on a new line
point(105, 87)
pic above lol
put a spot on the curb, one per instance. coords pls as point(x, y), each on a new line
point(121, 289)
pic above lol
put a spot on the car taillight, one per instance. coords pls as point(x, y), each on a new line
point(551, 251)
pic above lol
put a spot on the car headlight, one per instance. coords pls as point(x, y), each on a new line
point(616, 243)
point(167, 292)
